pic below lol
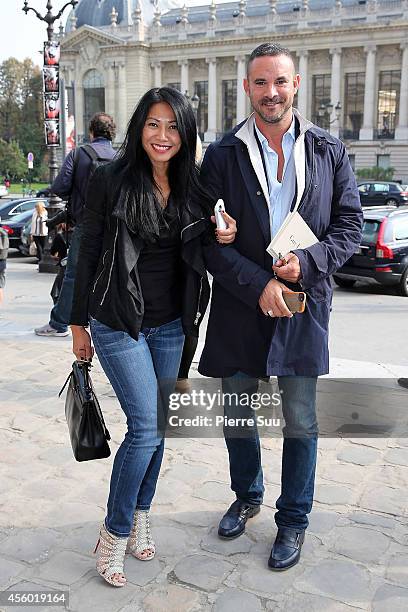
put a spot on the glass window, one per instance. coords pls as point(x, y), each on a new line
point(321, 85)
point(383, 161)
point(26, 206)
point(388, 101)
point(201, 89)
point(363, 188)
point(401, 228)
point(354, 103)
point(94, 95)
point(229, 104)
point(380, 187)
point(370, 231)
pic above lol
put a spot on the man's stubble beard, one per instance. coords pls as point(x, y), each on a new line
point(272, 120)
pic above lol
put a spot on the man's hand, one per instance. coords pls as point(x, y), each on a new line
point(271, 301)
point(226, 236)
point(288, 268)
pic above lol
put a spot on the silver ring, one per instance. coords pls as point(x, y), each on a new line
point(270, 313)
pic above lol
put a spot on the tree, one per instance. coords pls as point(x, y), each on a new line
point(21, 107)
point(12, 160)
point(376, 173)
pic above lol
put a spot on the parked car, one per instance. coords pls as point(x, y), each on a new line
point(378, 193)
point(14, 227)
point(3, 191)
point(44, 193)
point(14, 207)
point(383, 253)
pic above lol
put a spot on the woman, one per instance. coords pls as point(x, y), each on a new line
point(39, 229)
point(143, 282)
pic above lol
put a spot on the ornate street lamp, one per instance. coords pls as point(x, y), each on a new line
point(195, 103)
point(325, 110)
point(47, 264)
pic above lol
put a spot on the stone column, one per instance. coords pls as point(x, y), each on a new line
point(335, 91)
point(122, 102)
point(304, 79)
point(184, 64)
point(366, 132)
point(157, 78)
point(211, 133)
point(110, 89)
point(401, 133)
point(79, 111)
point(241, 95)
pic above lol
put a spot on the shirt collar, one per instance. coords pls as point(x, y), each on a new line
point(290, 132)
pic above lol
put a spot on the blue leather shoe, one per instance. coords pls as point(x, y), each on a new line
point(233, 522)
point(286, 549)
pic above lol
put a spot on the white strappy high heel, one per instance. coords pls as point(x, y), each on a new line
point(140, 543)
point(111, 557)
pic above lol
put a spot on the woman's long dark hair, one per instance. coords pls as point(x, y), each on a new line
point(142, 210)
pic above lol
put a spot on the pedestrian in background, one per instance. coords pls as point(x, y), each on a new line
point(39, 229)
point(71, 183)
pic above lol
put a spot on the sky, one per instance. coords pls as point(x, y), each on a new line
point(22, 36)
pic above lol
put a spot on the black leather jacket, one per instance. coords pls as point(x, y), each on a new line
point(107, 284)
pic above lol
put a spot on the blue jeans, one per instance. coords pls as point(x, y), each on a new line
point(299, 449)
point(61, 313)
point(136, 370)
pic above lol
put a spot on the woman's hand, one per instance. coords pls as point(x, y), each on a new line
point(81, 343)
point(226, 236)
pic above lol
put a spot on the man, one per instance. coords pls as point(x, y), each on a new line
point(272, 163)
point(72, 182)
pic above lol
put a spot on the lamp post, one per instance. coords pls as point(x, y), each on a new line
point(325, 111)
point(47, 264)
point(195, 103)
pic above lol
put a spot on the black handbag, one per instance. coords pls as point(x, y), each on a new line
point(87, 429)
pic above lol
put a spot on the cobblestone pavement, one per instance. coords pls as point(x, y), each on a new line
point(355, 554)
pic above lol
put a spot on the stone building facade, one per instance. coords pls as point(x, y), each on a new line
point(352, 56)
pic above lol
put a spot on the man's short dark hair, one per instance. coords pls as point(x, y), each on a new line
point(102, 126)
point(271, 49)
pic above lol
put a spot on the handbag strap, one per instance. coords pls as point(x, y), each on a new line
point(85, 370)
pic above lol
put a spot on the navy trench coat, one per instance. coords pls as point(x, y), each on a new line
point(239, 336)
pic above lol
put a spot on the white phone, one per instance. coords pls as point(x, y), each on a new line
point(219, 219)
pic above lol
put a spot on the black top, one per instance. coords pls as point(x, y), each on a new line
point(160, 273)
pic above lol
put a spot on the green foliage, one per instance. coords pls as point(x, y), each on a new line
point(12, 160)
point(376, 173)
point(21, 112)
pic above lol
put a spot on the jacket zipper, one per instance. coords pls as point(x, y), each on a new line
point(191, 225)
point(198, 314)
point(101, 272)
point(111, 268)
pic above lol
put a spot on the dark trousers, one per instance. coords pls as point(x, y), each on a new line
point(61, 313)
point(40, 244)
point(300, 433)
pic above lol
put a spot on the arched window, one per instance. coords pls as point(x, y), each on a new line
point(94, 95)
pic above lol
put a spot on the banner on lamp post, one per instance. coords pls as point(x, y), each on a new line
point(52, 53)
point(51, 79)
point(52, 133)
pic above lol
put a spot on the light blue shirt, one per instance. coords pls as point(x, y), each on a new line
point(280, 194)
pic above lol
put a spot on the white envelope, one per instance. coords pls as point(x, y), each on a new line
point(294, 233)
